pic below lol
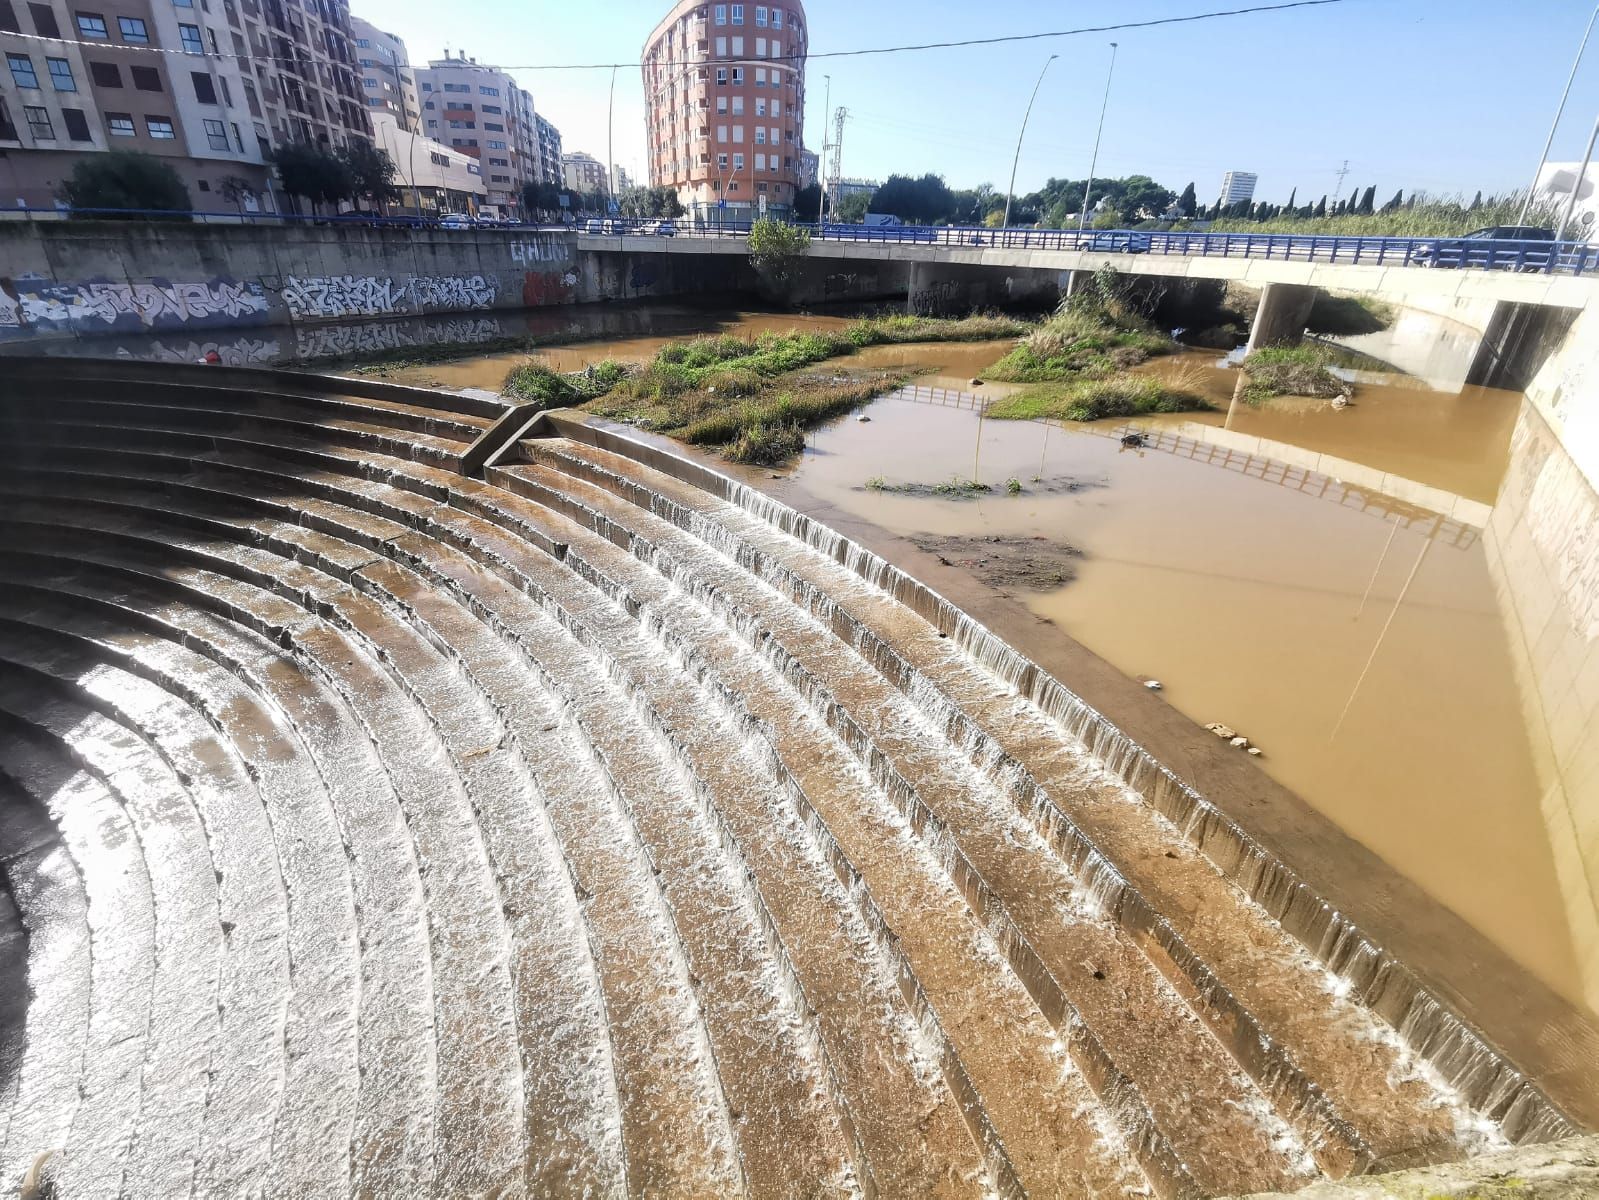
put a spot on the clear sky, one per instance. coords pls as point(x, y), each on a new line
point(1442, 95)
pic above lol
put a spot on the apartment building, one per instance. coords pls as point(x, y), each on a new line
point(1236, 186)
point(432, 178)
point(480, 111)
point(549, 151)
point(583, 172)
point(209, 86)
point(387, 82)
point(724, 88)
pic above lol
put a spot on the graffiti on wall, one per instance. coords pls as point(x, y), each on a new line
point(347, 341)
point(33, 303)
point(331, 297)
point(541, 288)
point(539, 250)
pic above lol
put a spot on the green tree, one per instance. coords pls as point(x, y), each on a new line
point(235, 189)
point(371, 173)
point(125, 179)
point(649, 203)
point(1367, 199)
point(807, 202)
point(313, 174)
point(925, 201)
point(1292, 196)
point(1476, 202)
point(1396, 203)
point(1321, 208)
point(853, 207)
point(776, 250)
point(1188, 201)
point(540, 197)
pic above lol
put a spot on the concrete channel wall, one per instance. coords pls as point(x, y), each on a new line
point(60, 279)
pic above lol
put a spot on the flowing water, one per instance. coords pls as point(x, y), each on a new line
point(1315, 579)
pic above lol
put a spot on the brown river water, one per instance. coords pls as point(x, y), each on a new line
point(1318, 580)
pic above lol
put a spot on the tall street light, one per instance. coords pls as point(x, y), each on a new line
point(1561, 108)
point(1010, 190)
point(1093, 163)
point(821, 160)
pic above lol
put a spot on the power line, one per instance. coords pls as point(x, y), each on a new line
point(1152, 23)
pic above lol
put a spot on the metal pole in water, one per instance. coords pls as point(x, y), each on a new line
point(1559, 110)
point(1093, 163)
point(1011, 190)
point(1576, 185)
point(1043, 452)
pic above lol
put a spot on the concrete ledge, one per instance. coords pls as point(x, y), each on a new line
point(1567, 1170)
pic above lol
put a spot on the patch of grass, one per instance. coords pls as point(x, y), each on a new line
point(1091, 399)
point(542, 387)
point(961, 489)
point(766, 444)
point(1088, 341)
point(877, 484)
point(1013, 486)
point(1291, 371)
point(901, 327)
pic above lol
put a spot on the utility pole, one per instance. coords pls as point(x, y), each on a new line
point(1338, 189)
point(835, 176)
point(1560, 108)
point(821, 159)
point(610, 144)
point(1009, 191)
point(1093, 163)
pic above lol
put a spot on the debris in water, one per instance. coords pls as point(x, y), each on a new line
point(1153, 685)
point(1132, 440)
point(1240, 742)
point(1340, 402)
point(863, 418)
point(1222, 731)
point(1006, 560)
point(1255, 750)
point(977, 383)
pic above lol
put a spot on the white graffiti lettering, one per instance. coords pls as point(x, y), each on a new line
point(538, 250)
point(453, 293)
point(335, 296)
point(159, 303)
point(339, 341)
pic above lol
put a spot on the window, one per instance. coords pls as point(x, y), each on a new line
point(721, 14)
point(427, 87)
point(738, 106)
point(440, 160)
point(500, 178)
point(216, 135)
point(760, 47)
point(738, 13)
point(738, 47)
point(227, 96)
point(369, 83)
point(8, 24)
point(738, 162)
point(777, 108)
point(492, 108)
point(493, 128)
point(777, 52)
point(760, 135)
point(738, 76)
point(428, 106)
point(92, 25)
point(77, 125)
point(760, 187)
point(760, 106)
point(721, 47)
point(721, 106)
point(160, 128)
point(39, 123)
point(738, 133)
point(499, 162)
point(106, 75)
point(760, 76)
point(492, 145)
point(721, 133)
point(204, 90)
point(760, 18)
point(61, 74)
point(134, 31)
point(22, 71)
point(777, 18)
point(146, 79)
point(238, 138)
point(773, 162)
point(456, 87)
point(190, 36)
point(44, 21)
point(721, 161)
point(488, 91)
point(776, 135)
point(119, 124)
point(760, 162)
point(204, 185)
point(183, 3)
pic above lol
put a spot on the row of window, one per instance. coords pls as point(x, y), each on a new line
point(736, 76)
point(763, 15)
point(106, 75)
point(121, 125)
point(737, 44)
point(738, 106)
point(464, 87)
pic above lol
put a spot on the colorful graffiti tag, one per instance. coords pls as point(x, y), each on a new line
point(332, 297)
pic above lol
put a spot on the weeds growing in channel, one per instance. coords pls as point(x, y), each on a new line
point(1126, 395)
point(1292, 371)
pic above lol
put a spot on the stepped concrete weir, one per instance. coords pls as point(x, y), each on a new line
point(406, 794)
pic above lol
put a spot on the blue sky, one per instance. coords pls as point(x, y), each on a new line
point(1442, 95)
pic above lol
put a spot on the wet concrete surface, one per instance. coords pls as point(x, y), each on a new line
point(579, 830)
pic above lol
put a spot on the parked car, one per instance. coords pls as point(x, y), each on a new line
point(604, 225)
point(1519, 247)
point(455, 221)
point(1117, 241)
point(656, 229)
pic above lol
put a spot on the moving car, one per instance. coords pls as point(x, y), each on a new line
point(657, 229)
point(1508, 247)
point(1117, 241)
point(455, 221)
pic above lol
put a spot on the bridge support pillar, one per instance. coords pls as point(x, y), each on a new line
point(1280, 319)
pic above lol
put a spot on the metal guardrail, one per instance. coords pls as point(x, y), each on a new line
point(1541, 257)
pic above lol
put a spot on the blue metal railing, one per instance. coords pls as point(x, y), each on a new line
point(1543, 257)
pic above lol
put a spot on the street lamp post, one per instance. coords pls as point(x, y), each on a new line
point(1559, 109)
point(1011, 190)
point(1093, 163)
point(821, 162)
point(1576, 184)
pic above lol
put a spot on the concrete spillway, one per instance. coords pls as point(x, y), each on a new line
point(373, 826)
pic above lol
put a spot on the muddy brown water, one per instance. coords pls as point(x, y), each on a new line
point(1313, 578)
